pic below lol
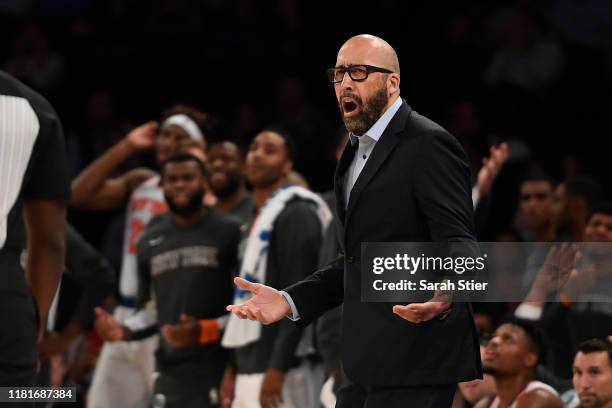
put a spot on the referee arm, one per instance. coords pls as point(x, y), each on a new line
point(46, 226)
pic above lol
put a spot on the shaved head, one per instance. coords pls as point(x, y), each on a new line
point(376, 50)
point(374, 65)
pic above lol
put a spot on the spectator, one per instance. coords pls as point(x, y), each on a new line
point(511, 358)
point(592, 376)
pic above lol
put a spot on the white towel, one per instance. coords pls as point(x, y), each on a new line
point(240, 332)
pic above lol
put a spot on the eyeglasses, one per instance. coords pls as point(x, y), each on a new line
point(356, 72)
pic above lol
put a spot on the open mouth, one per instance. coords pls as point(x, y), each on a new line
point(349, 106)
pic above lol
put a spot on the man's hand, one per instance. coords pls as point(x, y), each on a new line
point(554, 272)
point(578, 282)
point(421, 312)
point(143, 137)
point(228, 384)
point(490, 168)
point(267, 305)
point(185, 334)
point(52, 344)
point(108, 328)
point(271, 395)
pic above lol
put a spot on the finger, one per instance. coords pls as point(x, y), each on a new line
point(405, 313)
point(165, 330)
point(184, 318)
point(236, 309)
point(274, 400)
point(250, 313)
point(245, 284)
point(551, 254)
point(100, 312)
point(415, 307)
point(258, 314)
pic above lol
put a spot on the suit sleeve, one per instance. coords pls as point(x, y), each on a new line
point(298, 241)
point(320, 292)
point(443, 189)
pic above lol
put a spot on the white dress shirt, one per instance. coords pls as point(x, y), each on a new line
point(367, 141)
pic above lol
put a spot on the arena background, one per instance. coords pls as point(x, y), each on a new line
point(534, 73)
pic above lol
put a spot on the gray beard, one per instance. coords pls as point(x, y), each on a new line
point(371, 111)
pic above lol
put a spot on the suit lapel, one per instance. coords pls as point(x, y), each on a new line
point(339, 178)
point(385, 145)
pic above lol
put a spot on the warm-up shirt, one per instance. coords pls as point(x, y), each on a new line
point(294, 249)
point(189, 271)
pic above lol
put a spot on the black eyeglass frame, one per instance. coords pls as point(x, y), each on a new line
point(368, 68)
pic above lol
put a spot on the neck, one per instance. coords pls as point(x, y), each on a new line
point(186, 221)
point(392, 100)
point(508, 388)
point(227, 204)
point(261, 194)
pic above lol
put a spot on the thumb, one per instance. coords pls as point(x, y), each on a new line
point(186, 318)
point(100, 312)
point(400, 308)
point(245, 284)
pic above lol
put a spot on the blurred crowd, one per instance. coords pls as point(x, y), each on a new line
point(524, 86)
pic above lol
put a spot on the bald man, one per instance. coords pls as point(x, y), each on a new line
point(401, 178)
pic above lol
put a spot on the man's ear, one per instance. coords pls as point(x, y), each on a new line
point(530, 360)
point(287, 167)
point(393, 83)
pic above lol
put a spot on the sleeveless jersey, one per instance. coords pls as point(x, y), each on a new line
point(146, 201)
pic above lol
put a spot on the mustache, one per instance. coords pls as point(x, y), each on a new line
point(349, 94)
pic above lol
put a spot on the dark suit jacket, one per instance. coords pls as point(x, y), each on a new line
point(415, 187)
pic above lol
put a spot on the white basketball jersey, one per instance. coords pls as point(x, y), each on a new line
point(146, 201)
point(533, 385)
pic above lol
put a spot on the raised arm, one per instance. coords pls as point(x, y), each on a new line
point(94, 189)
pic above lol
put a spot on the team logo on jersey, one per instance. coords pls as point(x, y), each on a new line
point(192, 256)
point(156, 241)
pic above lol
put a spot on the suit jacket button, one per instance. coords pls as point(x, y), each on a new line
point(350, 259)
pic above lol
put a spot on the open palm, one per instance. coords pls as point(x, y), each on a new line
point(267, 305)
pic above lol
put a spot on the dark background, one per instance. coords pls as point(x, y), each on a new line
point(535, 73)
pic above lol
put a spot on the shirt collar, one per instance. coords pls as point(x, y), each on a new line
point(377, 129)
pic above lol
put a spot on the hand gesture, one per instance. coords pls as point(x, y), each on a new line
point(421, 312)
point(554, 272)
point(143, 137)
point(52, 344)
point(271, 395)
point(490, 169)
point(108, 328)
point(579, 281)
point(267, 305)
point(184, 334)
point(228, 384)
